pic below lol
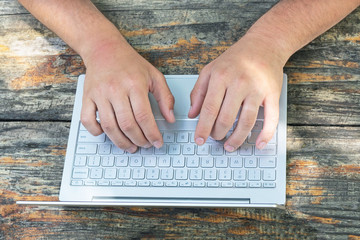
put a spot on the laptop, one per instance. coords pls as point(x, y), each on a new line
point(180, 174)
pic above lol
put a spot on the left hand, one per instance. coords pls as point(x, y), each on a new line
point(248, 74)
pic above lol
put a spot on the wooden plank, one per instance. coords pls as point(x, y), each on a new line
point(38, 71)
point(323, 192)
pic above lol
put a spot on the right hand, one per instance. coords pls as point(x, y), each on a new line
point(117, 84)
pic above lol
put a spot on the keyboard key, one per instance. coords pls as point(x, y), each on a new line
point(76, 183)
point(269, 184)
point(227, 184)
point(117, 151)
point(107, 161)
point(178, 161)
point(203, 150)
point(254, 174)
point(124, 173)
point(171, 184)
point(89, 182)
point(181, 174)
point(269, 174)
point(167, 174)
point(110, 173)
point(267, 162)
point(152, 174)
point(103, 182)
point(169, 137)
point(157, 183)
point(210, 174)
point(147, 151)
point(143, 183)
point(250, 162)
point(192, 162)
point(199, 184)
point(189, 149)
point(86, 137)
point(116, 183)
point(239, 174)
point(80, 172)
point(253, 137)
point(195, 174)
point(213, 184)
point(241, 184)
point(164, 161)
point(135, 161)
point(93, 161)
point(104, 149)
point(236, 162)
point(192, 137)
point(224, 174)
point(255, 184)
point(260, 113)
point(80, 161)
point(130, 183)
point(121, 161)
point(86, 148)
point(138, 173)
point(174, 149)
point(150, 161)
point(185, 184)
point(246, 150)
point(258, 126)
point(96, 173)
point(161, 151)
point(182, 137)
point(207, 162)
point(268, 150)
point(221, 162)
point(217, 150)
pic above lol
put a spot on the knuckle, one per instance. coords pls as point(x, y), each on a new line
point(169, 98)
point(225, 120)
point(107, 126)
point(142, 116)
point(247, 123)
point(210, 109)
point(126, 125)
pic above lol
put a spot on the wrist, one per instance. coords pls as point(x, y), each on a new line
point(272, 46)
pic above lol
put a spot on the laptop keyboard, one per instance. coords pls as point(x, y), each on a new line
point(179, 163)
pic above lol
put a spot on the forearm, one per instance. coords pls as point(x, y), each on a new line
point(79, 23)
point(291, 24)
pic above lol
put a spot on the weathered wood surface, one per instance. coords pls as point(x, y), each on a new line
point(322, 193)
point(37, 85)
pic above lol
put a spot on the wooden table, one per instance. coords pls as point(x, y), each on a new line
point(38, 75)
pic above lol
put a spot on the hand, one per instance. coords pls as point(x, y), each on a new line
point(248, 74)
point(117, 84)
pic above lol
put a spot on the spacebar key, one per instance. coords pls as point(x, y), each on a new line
point(86, 149)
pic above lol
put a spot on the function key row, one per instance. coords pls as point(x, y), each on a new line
point(178, 161)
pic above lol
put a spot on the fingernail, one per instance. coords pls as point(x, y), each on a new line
point(172, 116)
point(157, 144)
point(199, 141)
point(261, 145)
point(147, 145)
point(229, 148)
point(131, 149)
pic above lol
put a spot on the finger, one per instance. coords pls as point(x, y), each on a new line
point(111, 128)
point(271, 119)
point(228, 112)
point(246, 122)
point(164, 97)
point(198, 93)
point(126, 122)
point(209, 111)
point(88, 117)
point(143, 115)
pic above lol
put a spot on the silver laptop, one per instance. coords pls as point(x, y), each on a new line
point(180, 174)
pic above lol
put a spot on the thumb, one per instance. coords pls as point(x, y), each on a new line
point(163, 96)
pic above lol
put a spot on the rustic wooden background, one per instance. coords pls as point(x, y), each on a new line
point(38, 75)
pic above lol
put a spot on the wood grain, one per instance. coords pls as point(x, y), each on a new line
point(322, 193)
point(38, 73)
